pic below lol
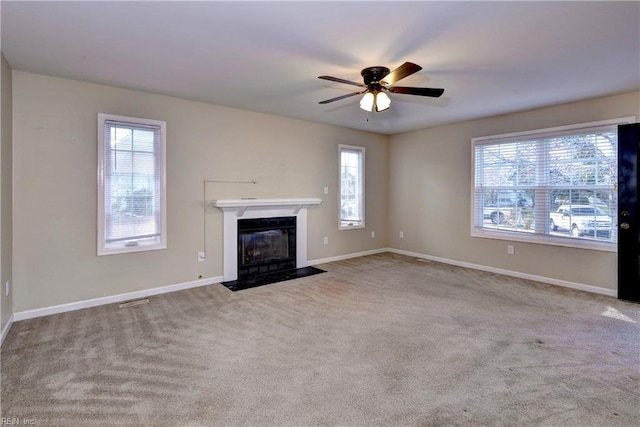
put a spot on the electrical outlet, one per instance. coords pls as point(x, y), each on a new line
point(326, 190)
point(402, 234)
point(373, 234)
point(6, 288)
point(202, 256)
point(326, 240)
point(510, 250)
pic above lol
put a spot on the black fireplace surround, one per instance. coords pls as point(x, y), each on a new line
point(266, 245)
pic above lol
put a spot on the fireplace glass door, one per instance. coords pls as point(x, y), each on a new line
point(266, 245)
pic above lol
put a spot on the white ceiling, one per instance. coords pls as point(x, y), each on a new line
point(490, 57)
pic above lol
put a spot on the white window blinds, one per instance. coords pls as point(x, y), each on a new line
point(552, 184)
point(132, 185)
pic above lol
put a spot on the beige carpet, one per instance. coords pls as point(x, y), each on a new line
point(384, 340)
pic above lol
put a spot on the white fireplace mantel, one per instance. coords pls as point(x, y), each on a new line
point(240, 206)
point(233, 209)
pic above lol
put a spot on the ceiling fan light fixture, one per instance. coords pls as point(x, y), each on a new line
point(382, 101)
point(367, 101)
point(375, 101)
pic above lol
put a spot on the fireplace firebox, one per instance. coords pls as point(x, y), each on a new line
point(266, 245)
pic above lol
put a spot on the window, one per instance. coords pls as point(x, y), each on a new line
point(553, 186)
point(351, 187)
point(131, 184)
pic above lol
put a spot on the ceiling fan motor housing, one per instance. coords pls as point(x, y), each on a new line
point(373, 75)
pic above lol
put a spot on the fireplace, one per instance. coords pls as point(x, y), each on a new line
point(237, 210)
point(266, 245)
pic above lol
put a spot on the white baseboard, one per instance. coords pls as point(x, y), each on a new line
point(31, 314)
point(6, 328)
point(347, 256)
point(543, 279)
point(62, 308)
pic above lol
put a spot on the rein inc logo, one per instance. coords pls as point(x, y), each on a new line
point(13, 421)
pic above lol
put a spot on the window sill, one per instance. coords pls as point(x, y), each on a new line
point(126, 250)
point(548, 240)
point(350, 226)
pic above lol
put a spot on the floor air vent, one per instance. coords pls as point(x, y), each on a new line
point(134, 303)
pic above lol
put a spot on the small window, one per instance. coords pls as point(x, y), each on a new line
point(351, 187)
point(553, 186)
point(131, 184)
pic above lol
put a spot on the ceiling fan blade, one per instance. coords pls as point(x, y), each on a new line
point(335, 79)
point(338, 98)
point(400, 73)
point(422, 91)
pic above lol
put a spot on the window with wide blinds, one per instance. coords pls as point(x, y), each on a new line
point(351, 187)
point(131, 214)
point(555, 186)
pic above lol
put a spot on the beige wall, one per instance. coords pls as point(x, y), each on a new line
point(55, 157)
point(6, 183)
point(430, 186)
point(418, 183)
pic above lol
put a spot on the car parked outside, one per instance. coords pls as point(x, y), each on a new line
point(581, 220)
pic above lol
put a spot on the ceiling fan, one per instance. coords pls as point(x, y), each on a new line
point(380, 80)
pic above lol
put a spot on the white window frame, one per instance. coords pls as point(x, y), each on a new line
point(350, 224)
point(545, 239)
point(140, 245)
